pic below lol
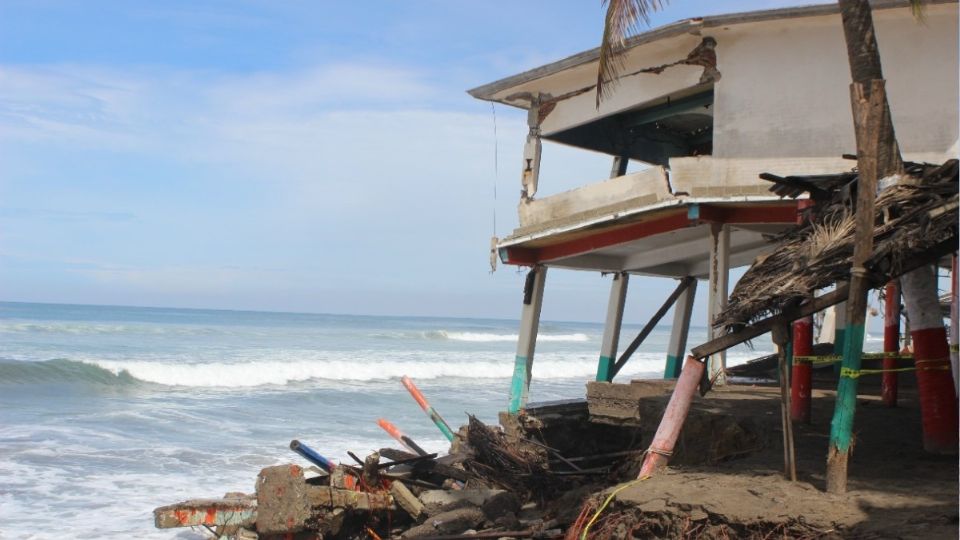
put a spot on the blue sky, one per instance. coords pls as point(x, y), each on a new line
point(296, 156)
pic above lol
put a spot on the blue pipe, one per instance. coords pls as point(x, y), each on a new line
point(311, 455)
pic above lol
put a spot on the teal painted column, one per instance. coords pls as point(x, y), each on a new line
point(676, 350)
point(527, 342)
point(611, 328)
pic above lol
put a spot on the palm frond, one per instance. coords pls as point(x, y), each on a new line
point(623, 18)
point(916, 7)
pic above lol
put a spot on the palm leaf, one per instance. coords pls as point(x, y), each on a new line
point(622, 19)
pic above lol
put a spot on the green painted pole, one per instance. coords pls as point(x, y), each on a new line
point(872, 121)
point(611, 328)
point(527, 342)
point(682, 312)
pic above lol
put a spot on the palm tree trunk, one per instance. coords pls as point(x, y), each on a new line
point(878, 157)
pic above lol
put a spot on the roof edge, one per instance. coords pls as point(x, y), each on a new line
point(487, 91)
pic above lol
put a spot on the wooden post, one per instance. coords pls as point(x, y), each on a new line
point(611, 329)
point(532, 150)
point(682, 312)
point(870, 114)
point(527, 342)
point(719, 277)
point(801, 383)
point(781, 337)
point(889, 384)
point(839, 331)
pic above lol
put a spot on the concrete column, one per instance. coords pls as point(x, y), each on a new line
point(719, 278)
point(527, 342)
point(682, 311)
point(611, 328)
point(890, 384)
point(532, 150)
point(931, 355)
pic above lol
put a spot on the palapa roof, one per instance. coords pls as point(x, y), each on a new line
point(916, 219)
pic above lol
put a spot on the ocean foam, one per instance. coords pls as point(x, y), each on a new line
point(490, 337)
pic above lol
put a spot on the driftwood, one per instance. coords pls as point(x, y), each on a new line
point(913, 217)
point(506, 462)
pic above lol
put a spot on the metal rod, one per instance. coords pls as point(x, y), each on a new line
point(425, 405)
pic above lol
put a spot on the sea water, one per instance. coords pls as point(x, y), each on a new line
point(109, 412)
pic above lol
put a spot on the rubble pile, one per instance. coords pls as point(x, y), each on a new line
point(527, 478)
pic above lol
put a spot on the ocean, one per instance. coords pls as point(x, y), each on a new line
point(109, 412)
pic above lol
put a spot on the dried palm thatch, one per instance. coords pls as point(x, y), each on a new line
point(914, 216)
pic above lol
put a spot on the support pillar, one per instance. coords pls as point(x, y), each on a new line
point(938, 398)
point(665, 439)
point(682, 311)
point(719, 279)
point(889, 384)
point(527, 342)
point(611, 328)
point(954, 326)
point(801, 383)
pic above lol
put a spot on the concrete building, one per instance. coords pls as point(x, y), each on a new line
point(709, 104)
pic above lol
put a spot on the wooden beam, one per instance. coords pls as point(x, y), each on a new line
point(651, 324)
point(817, 304)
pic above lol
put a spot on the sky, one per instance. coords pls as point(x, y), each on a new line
point(285, 156)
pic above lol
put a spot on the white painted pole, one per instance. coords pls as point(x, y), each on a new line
point(676, 351)
point(611, 328)
point(527, 342)
point(719, 278)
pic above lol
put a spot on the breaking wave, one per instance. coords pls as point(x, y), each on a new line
point(278, 372)
point(59, 370)
point(489, 337)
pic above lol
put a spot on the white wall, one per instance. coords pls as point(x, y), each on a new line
point(785, 85)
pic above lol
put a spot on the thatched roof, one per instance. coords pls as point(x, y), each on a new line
point(915, 216)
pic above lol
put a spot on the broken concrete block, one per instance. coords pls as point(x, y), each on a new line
point(452, 522)
point(436, 501)
point(408, 501)
point(619, 404)
point(282, 503)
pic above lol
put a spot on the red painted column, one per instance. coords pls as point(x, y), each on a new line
point(891, 344)
point(938, 398)
point(801, 382)
point(801, 379)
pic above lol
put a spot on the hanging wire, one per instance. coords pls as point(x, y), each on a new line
point(496, 166)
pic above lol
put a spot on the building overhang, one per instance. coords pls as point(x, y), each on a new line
point(572, 73)
point(669, 240)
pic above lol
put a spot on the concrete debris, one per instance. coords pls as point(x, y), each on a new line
point(450, 522)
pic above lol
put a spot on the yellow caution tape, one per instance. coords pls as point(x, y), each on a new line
point(834, 358)
point(856, 373)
